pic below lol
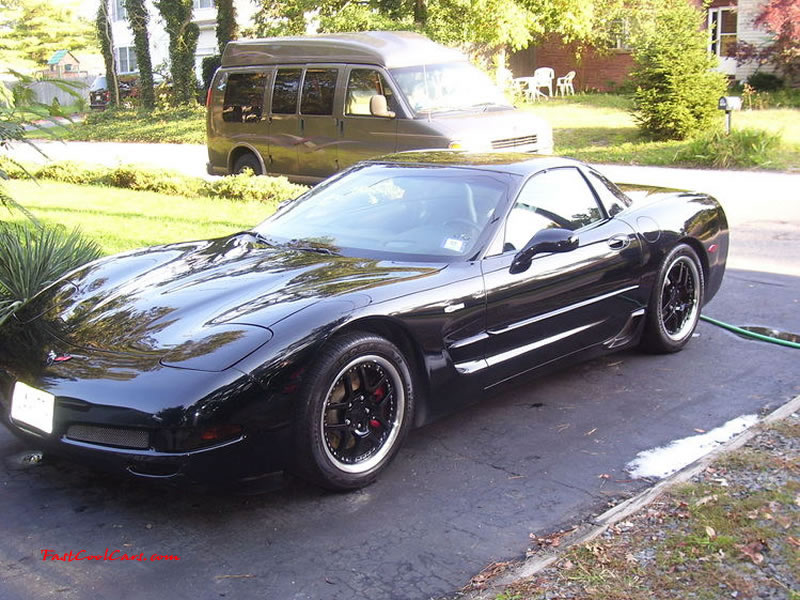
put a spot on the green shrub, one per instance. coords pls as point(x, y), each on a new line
point(11, 169)
point(32, 258)
point(247, 187)
point(741, 148)
point(765, 82)
point(152, 180)
point(210, 66)
point(70, 172)
point(676, 87)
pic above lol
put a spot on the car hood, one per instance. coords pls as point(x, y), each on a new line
point(224, 292)
point(492, 125)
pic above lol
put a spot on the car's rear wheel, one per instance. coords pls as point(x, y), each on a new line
point(675, 303)
point(247, 160)
point(357, 407)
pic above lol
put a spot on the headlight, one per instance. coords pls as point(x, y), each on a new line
point(471, 145)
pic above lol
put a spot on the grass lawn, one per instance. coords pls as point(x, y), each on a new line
point(179, 126)
point(601, 128)
point(120, 219)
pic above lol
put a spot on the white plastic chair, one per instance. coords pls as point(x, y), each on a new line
point(543, 78)
point(564, 84)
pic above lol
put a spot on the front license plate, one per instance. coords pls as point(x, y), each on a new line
point(32, 407)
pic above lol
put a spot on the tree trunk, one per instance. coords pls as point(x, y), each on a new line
point(137, 21)
point(107, 50)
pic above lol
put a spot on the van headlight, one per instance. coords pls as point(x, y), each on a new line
point(471, 145)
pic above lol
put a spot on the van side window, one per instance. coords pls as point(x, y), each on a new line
point(363, 85)
point(244, 97)
point(284, 93)
point(318, 89)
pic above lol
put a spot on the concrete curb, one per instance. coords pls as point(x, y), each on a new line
point(592, 529)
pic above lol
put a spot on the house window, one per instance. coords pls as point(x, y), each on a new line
point(126, 60)
point(621, 34)
point(722, 25)
point(203, 3)
point(118, 10)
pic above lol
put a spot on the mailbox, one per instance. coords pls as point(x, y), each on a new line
point(729, 103)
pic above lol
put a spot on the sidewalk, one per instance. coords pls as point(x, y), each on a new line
point(727, 527)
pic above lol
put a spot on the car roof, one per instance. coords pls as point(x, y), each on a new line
point(509, 162)
point(387, 48)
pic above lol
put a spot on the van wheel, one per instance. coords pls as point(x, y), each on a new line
point(247, 161)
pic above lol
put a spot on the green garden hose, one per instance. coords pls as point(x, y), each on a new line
point(752, 334)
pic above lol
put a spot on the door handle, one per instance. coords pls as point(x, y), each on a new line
point(302, 125)
point(341, 126)
point(619, 242)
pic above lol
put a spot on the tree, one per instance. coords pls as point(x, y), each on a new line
point(137, 21)
point(781, 19)
point(33, 30)
point(227, 29)
point(106, 40)
point(183, 34)
point(677, 87)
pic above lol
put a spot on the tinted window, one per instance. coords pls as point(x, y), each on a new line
point(613, 200)
point(363, 85)
point(557, 198)
point(244, 97)
point(318, 88)
point(284, 94)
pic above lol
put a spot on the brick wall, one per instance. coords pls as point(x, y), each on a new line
point(594, 71)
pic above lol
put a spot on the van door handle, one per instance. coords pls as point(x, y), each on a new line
point(302, 125)
point(341, 126)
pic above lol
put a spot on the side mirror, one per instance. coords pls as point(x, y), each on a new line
point(379, 108)
point(546, 240)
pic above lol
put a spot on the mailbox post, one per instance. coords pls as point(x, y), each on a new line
point(729, 104)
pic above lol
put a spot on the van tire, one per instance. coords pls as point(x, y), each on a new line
point(247, 160)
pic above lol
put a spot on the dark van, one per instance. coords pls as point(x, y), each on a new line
point(306, 107)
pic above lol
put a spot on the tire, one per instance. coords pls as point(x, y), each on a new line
point(247, 161)
point(344, 437)
point(675, 302)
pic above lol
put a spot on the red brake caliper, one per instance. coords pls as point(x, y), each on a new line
point(378, 395)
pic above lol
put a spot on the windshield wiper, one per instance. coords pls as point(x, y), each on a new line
point(304, 246)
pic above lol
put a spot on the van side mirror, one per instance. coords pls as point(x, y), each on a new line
point(379, 108)
point(546, 240)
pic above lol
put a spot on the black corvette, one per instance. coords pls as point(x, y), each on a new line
point(386, 296)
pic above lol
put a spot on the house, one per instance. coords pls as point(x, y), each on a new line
point(205, 16)
point(63, 65)
point(730, 21)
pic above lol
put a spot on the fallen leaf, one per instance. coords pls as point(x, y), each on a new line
point(567, 564)
point(751, 551)
point(793, 541)
point(604, 476)
point(630, 558)
point(706, 500)
point(591, 431)
point(698, 430)
point(710, 532)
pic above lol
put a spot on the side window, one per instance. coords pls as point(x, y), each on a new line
point(244, 97)
point(318, 90)
point(284, 93)
point(363, 85)
point(557, 198)
point(613, 200)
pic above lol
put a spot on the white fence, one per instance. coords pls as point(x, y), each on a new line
point(47, 91)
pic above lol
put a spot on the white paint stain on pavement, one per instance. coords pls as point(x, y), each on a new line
point(664, 461)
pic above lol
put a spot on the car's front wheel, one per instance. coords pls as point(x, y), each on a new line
point(675, 303)
point(356, 409)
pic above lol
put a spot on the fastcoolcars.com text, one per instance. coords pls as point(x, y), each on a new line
point(107, 555)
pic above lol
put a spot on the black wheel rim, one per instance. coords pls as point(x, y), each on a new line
point(680, 298)
point(362, 414)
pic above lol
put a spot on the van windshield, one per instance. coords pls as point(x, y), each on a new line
point(447, 86)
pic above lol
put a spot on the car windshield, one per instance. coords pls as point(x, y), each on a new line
point(447, 86)
point(383, 210)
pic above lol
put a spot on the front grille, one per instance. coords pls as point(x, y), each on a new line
point(526, 140)
point(110, 436)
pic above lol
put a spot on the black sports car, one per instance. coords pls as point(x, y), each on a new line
point(384, 297)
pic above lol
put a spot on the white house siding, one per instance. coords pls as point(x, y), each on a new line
point(748, 32)
point(206, 19)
